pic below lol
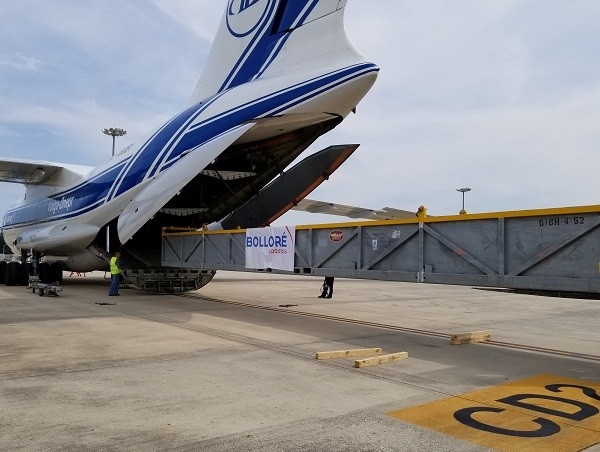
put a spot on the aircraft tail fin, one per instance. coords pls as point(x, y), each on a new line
point(253, 38)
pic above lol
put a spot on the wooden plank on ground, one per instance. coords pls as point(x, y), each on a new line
point(468, 338)
point(380, 359)
point(349, 353)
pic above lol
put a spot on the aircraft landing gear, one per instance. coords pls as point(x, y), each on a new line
point(47, 273)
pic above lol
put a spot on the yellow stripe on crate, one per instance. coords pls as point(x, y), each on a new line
point(537, 414)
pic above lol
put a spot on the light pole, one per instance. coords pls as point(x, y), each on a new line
point(114, 132)
point(463, 191)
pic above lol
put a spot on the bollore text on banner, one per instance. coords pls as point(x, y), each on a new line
point(270, 248)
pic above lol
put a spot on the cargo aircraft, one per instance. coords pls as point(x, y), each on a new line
point(280, 74)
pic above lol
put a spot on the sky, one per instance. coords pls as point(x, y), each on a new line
point(501, 96)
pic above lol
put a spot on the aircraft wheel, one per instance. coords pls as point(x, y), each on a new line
point(12, 273)
point(26, 269)
point(44, 272)
point(3, 272)
point(56, 273)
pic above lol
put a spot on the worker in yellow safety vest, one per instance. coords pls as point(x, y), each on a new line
point(115, 275)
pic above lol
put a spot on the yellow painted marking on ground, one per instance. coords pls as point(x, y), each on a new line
point(349, 353)
point(380, 359)
point(469, 338)
point(538, 414)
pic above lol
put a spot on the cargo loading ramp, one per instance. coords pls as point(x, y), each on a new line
point(546, 249)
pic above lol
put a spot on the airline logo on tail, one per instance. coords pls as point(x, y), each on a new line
point(242, 19)
point(237, 6)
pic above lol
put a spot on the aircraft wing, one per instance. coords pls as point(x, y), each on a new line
point(329, 208)
point(40, 172)
point(27, 171)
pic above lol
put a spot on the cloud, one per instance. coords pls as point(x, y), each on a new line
point(20, 62)
point(503, 97)
point(98, 64)
point(499, 96)
point(200, 17)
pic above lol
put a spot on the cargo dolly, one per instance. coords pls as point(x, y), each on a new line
point(44, 288)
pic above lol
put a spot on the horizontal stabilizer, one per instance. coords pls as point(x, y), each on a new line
point(283, 193)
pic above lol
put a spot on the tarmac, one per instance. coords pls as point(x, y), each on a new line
point(232, 367)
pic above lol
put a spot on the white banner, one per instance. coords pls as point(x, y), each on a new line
point(270, 248)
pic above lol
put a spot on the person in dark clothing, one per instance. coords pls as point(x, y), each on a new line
point(327, 289)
